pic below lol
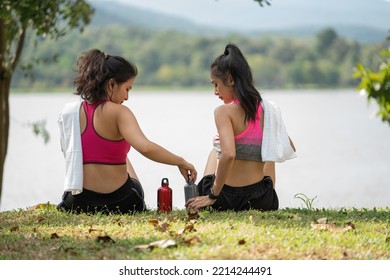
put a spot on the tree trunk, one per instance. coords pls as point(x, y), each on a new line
point(6, 70)
point(4, 105)
point(5, 83)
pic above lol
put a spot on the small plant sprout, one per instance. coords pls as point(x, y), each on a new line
point(308, 201)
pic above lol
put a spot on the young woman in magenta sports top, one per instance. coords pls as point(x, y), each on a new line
point(235, 177)
point(108, 129)
point(96, 149)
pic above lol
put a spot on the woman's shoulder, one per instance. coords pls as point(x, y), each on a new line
point(227, 110)
point(116, 106)
point(115, 109)
point(221, 109)
point(227, 107)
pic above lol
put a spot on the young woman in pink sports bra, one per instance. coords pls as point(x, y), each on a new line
point(235, 176)
point(108, 130)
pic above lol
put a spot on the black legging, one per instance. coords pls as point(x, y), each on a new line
point(129, 198)
point(259, 196)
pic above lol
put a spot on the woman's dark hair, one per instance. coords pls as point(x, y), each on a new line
point(232, 62)
point(95, 69)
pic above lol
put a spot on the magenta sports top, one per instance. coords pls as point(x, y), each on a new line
point(248, 143)
point(97, 149)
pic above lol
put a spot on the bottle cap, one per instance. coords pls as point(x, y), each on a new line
point(164, 181)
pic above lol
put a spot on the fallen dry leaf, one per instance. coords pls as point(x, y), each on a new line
point(119, 222)
point(142, 247)
point(193, 215)
point(321, 226)
point(54, 236)
point(189, 227)
point(173, 218)
point(15, 228)
point(322, 221)
point(41, 219)
point(294, 217)
point(92, 230)
point(163, 243)
point(153, 222)
point(104, 239)
point(163, 227)
point(241, 242)
point(193, 240)
point(332, 227)
point(351, 225)
point(174, 234)
point(255, 220)
point(41, 206)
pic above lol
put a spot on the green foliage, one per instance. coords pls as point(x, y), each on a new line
point(170, 58)
point(39, 129)
point(325, 39)
point(46, 18)
point(376, 84)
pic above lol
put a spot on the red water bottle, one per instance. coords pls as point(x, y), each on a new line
point(164, 196)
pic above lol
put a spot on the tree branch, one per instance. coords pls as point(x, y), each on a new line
point(19, 48)
point(2, 49)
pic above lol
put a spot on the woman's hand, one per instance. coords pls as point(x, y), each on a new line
point(188, 171)
point(198, 202)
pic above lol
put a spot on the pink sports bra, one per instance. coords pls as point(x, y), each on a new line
point(97, 149)
point(248, 143)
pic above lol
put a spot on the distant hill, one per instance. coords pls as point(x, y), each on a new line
point(362, 34)
point(121, 14)
point(125, 14)
point(171, 58)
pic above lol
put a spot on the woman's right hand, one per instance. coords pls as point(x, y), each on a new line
point(188, 171)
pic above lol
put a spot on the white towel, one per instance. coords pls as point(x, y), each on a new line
point(276, 143)
point(69, 124)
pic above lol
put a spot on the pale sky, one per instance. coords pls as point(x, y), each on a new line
point(248, 14)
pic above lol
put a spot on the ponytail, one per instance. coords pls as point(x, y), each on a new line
point(95, 69)
point(232, 62)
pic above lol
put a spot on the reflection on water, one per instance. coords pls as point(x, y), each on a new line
point(343, 153)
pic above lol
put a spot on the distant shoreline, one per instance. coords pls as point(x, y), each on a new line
point(173, 89)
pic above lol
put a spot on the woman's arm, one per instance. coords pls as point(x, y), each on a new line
point(131, 131)
point(211, 165)
point(131, 170)
point(269, 170)
point(225, 162)
point(228, 148)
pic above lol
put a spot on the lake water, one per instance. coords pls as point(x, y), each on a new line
point(343, 149)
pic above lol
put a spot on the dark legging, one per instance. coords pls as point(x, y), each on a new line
point(129, 198)
point(259, 196)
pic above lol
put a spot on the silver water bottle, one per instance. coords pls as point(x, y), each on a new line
point(190, 190)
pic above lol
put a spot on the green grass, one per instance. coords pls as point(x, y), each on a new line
point(44, 233)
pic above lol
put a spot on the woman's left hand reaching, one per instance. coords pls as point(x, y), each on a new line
point(199, 202)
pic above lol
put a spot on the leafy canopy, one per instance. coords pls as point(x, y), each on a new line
point(376, 84)
point(47, 18)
